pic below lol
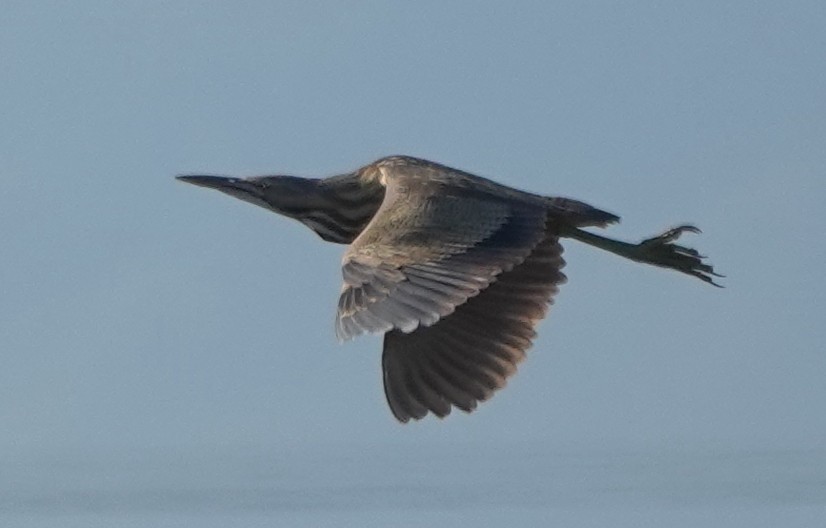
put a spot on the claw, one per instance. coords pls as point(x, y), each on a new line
point(671, 235)
point(660, 251)
point(679, 230)
point(688, 251)
point(706, 278)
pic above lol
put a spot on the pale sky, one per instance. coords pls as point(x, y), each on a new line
point(136, 310)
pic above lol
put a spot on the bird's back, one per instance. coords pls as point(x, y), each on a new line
point(416, 175)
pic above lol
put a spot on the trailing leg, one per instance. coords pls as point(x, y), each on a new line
point(657, 251)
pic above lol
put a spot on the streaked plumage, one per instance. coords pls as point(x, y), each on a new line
point(454, 269)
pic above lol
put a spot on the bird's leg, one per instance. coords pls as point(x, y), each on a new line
point(657, 251)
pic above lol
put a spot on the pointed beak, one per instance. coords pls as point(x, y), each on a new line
point(213, 182)
point(220, 183)
point(247, 190)
point(238, 187)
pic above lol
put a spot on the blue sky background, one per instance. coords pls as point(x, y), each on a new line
point(138, 311)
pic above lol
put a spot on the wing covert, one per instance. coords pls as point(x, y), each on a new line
point(429, 248)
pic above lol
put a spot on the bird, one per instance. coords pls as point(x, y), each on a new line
point(454, 269)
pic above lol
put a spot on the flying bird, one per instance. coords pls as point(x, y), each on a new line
point(454, 269)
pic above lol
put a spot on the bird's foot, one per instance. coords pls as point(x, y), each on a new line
point(661, 251)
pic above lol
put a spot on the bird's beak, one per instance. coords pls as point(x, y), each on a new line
point(247, 190)
point(220, 183)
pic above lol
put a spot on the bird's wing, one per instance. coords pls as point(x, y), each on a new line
point(430, 247)
point(464, 358)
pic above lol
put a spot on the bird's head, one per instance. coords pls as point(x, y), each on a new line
point(336, 208)
point(286, 195)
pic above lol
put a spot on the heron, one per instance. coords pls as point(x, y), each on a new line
point(455, 270)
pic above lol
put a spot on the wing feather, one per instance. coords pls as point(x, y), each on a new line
point(429, 250)
point(467, 356)
point(455, 271)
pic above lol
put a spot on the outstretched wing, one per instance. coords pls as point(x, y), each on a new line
point(433, 244)
point(465, 357)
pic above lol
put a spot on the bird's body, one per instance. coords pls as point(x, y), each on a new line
point(454, 269)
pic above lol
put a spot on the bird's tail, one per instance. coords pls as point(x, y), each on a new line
point(579, 214)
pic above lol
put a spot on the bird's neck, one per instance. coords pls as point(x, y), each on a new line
point(341, 206)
